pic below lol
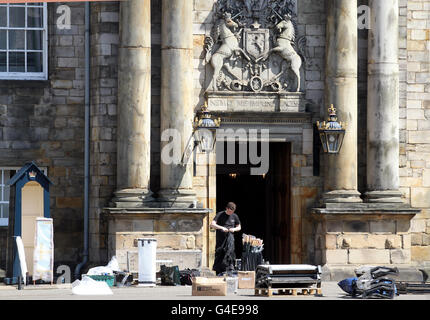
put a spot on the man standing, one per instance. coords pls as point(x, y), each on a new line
point(226, 223)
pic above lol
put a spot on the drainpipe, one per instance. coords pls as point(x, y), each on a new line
point(87, 140)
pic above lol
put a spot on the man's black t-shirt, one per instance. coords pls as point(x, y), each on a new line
point(225, 220)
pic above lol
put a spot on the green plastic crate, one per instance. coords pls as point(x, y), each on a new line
point(110, 280)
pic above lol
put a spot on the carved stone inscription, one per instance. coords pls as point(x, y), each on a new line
point(253, 47)
point(242, 104)
point(235, 102)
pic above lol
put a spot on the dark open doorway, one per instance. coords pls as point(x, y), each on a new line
point(263, 201)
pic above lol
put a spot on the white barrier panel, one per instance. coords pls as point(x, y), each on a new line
point(43, 262)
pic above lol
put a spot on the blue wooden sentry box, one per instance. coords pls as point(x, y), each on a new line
point(29, 172)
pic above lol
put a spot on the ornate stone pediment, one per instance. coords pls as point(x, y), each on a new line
point(253, 47)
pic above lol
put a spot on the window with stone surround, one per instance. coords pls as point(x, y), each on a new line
point(23, 41)
point(5, 174)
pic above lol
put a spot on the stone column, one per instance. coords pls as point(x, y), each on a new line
point(341, 91)
point(383, 103)
point(134, 104)
point(176, 186)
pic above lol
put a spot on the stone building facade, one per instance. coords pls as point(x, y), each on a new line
point(149, 73)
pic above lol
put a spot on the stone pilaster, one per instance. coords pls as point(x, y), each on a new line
point(383, 103)
point(176, 185)
point(341, 91)
point(134, 104)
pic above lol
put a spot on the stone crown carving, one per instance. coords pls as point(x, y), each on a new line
point(253, 46)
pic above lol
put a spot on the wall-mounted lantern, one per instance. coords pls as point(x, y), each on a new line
point(331, 132)
point(205, 129)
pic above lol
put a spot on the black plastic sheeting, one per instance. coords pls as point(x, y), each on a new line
point(251, 257)
point(225, 255)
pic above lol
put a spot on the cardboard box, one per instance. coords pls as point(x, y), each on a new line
point(246, 279)
point(209, 286)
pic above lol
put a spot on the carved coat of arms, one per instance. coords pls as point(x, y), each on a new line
point(253, 46)
point(256, 42)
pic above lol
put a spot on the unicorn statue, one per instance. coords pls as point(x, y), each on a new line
point(285, 47)
point(229, 47)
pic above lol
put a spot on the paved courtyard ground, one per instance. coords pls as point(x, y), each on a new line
point(177, 302)
point(330, 291)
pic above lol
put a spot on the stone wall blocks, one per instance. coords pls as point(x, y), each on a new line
point(406, 241)
point(311, 18)
point(330, 241)
point(307, 172)
point(420, 197)
point(69, 202)
point(400, 256)
point(120, 225)
point(336, 256)
point(162, 225)
point(124, 241)
point(143, 225)
point(403, 226)
point(345, 243)
point(334, 226)
point(418, 225)
point(65, 40)
point(377, 241)
point(109, 17)
point(403, 161)
point(202, 16)
point(203, 5)
point(297, 147)
point(190, 225)
point(315, 30)
point(420, 254)
point(384, 226)
point(393, 242)
point(191, 242)
point(107, 146)
point(121, 256)
point(426, 239)
point(172, 241)
point(199, 240)
point(67, 62)
point(369, 256)
point(355, 226)
point(416, 239)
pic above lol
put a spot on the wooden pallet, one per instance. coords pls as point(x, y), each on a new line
point(270, 292)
